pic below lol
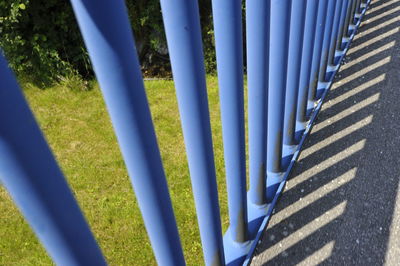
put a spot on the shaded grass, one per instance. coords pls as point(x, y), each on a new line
point(80, 134)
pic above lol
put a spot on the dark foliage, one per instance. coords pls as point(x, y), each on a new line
point(42, 41)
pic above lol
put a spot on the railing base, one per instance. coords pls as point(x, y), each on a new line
point(236, 253)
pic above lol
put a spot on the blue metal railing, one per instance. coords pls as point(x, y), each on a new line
point(294, 49)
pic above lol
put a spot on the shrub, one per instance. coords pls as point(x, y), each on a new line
point(42, 41)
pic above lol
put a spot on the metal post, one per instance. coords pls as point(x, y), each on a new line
point(297, 23)
point(354, 12)
point(334, 36)
point(332, 42)
point(346, 29)
point(343, 20)
point(358, 8)
point(316, 60)
point(257, 30)
point(182, 27)
point(107, 34)
point(278, 56)
point(329, 25)
point(31, 175)
point(227, 16)
point(364, 5)
point(306, 59)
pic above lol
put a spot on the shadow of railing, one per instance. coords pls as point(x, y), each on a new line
point(338, 205)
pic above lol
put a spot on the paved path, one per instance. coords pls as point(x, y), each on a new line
point(342, 203)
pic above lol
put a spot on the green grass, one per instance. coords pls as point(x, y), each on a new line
point(79, 131)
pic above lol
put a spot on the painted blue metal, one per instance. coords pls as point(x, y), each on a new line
point(334, 36)
point(347, 29)
point(257, 30)
point(318, 46)
point(116, 65)
point(354, 12)
point(278, 61)
point(227, 16)
point(306, 62)
point(31, 175)
point(323, 65)
point(296, 38)
point(182, 27)
point(343, 18)
point(358, 9)
point(363, 6)
point(306, 132)
point(290, 44)
point(257, 33)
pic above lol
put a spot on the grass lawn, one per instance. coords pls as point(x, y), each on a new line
point(80, 134)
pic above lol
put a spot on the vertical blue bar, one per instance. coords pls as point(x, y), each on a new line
point(31, 175)
point(229, 47)
point(354, 12)
point(363, 6)
point(297, 23)
point(316, 60)
point(334, 36)
point(257, 31)
point(306, 59)
point(358, 7)
point(343, 18)
point(107, 33)
point(349, 18)
point(278, 62)
point(182, 26)
point(327, 33)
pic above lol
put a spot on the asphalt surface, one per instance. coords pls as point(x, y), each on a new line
point(341, 205)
